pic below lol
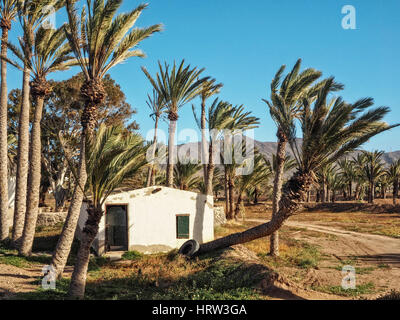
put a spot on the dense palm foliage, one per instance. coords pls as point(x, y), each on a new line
point(186, 175)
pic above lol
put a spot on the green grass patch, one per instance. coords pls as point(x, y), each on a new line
point(366, 288)
point(132, 255)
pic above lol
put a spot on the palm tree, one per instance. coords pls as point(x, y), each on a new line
point(359, 162)
point(394, 175)
point(283, 109)
point(349, 175)
point(237, 123)
point(100, 41)
point(157, 108)
point(330, 131)
point(177, 87)
point(261, 173)
point(186, 177)
point(112, 157)
point(373, 170)
point(209, 89)
point(383, 184)
point(50, 54)
point(31, 13)
point(8, 12)
point(219, 117)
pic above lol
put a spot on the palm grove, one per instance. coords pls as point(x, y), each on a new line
point(75, 137)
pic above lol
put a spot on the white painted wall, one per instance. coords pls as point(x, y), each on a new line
point(152, 218)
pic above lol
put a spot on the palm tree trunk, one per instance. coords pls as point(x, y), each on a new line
point(22, 163)
point(210, 170)
point(78, 279)
point(323, 190)
point(231, 189)
point(371, 192)
point(256, 195)
point(204, 144)
point(64, 243)
point(277, 192)
point(171, 150)
point(350, 190)
point(238, 205)
point(228, 216)
point(151, 168)
point(4, 227)
point(294, 192)
point(32, 203)
point(395, 190)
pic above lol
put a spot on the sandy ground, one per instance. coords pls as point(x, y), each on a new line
point(380, 254)
point(14, 280)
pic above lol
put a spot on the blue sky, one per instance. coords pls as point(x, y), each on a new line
point(243, 43)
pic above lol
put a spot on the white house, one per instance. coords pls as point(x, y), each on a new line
point(154, 219)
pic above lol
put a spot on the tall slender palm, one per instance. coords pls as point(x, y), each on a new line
point(209, 89)
point(112, 157)
point(373, 170)
point(330, 131)
point(219, 117)
point(238, 122)
point(177, 86)
point(8, 12)
point(100, 41)
point(31, 13)
point(283, 109)
point(394, 175)
point(50, 53)
point(157, 108)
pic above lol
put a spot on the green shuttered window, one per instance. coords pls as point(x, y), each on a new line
point(182, 226)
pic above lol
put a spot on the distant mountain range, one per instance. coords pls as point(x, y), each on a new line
point(269, 148)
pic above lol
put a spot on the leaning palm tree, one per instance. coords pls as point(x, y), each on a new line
point(177, 87)
point(373, 170)
point(284, 109)
point(112, 157)
point(50, 53)
point(330, 131)
point(394, 175)
point(31, 14)
point(100, 41)
point(157, 108)
point(8, 12)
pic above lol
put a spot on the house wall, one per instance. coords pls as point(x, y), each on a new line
point(152, 218)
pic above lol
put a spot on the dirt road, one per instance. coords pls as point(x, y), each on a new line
point(373, 248)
